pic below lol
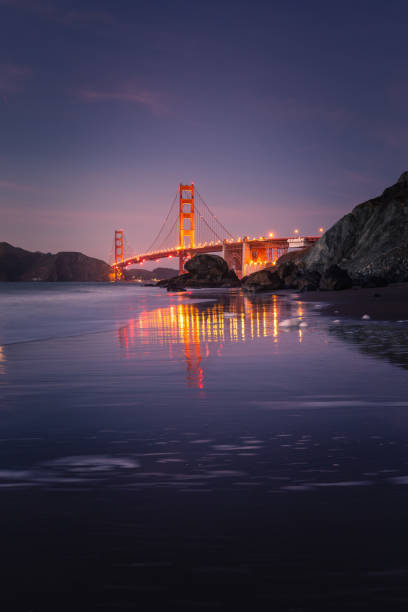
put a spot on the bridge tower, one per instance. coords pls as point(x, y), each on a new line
point(119, 253)
point(186, 221)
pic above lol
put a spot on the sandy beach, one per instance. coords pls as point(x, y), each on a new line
point(380, 303)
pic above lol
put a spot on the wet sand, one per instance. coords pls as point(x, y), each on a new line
point(165, 453)
point(380, 303)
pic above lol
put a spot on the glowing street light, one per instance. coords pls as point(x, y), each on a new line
point(296, 232)
point(321, 230)
point(271, 234)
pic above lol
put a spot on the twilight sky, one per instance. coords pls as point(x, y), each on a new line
point(284, 113)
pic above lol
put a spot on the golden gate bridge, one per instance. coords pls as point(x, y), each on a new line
point(190, 227)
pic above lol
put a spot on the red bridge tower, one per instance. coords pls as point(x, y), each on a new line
point(119, 253)
point(186, 221)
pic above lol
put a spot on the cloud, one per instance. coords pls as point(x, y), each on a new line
point(9, 185)
point(142, 97)
point(12, 78)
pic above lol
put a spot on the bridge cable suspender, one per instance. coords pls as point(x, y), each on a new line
point(163, 245)
point(212, 215)
point(172, 205)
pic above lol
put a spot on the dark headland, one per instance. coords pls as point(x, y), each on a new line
point(17, 264)
point(20, 265)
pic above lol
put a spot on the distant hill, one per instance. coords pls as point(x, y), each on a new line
point(163, 273)
point(138, 274)
point(20, 265)
point(149, 275)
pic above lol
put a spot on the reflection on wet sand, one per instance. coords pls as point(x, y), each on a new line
point(385, 341)
point(203, 329)
point(2, 361)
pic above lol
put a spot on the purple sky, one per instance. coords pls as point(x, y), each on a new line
point(284, 113)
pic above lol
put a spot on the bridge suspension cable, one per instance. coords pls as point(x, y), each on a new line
point(221, 229)
point(171, 238)
point(154, 245)
point(202, 225)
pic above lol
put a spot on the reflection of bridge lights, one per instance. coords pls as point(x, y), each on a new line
point(202, 331)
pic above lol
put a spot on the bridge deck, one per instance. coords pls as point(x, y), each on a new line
point(254, 243)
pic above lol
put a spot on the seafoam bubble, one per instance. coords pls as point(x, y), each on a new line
point(94, 463)
point(14, 474)
point(290, 322)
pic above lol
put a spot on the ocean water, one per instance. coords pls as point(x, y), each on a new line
point(185, 452)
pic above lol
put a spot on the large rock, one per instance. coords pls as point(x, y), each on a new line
point(367, 247)
point(370, 243)
point(203, 271)
point(263, 280)
point(287, 274)
point(19, 265)
point(207, 266)
point(335, 279)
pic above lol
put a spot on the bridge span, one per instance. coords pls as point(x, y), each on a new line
point(195, 230)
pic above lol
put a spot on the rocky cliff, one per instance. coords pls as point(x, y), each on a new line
point(371, 242)
point(367, 247)
point(20, 265)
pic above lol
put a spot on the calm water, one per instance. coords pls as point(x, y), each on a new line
point(181, 452)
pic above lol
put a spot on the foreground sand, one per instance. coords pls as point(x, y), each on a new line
point(381, 303)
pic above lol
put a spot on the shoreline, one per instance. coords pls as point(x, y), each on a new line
point(388, 303)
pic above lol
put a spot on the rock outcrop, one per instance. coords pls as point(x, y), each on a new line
point(367, 247)
point(371, 242)
point(334, 279)
point(203, 271)
point(20, 265)
point(267, 279)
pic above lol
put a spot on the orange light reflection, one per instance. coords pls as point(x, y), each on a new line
point(201, 331)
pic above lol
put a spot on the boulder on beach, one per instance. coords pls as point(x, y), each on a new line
point(203, 271)
point(263, 280)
